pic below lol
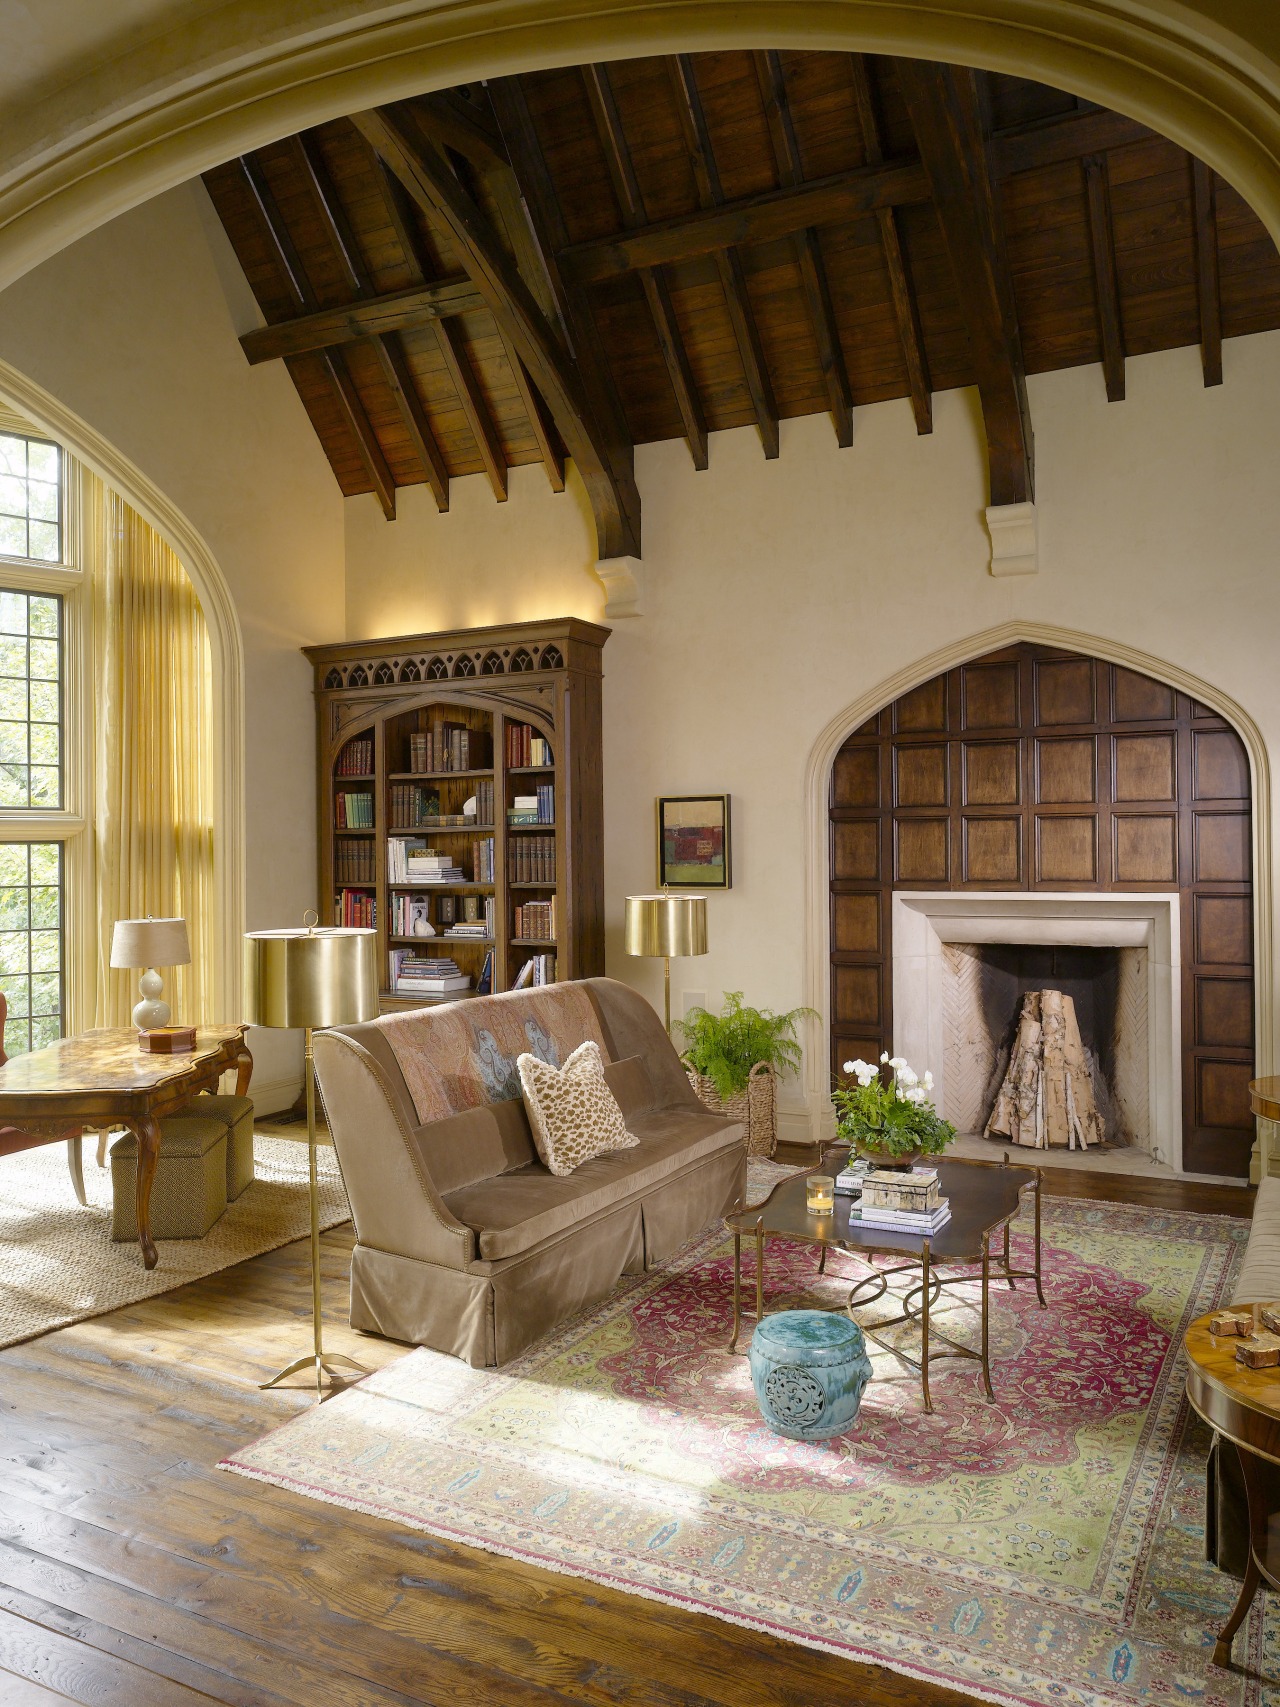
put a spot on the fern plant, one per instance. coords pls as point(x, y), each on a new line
point(725, 1047)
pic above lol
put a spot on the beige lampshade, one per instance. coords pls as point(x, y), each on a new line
point(315, 978)
point(666, 924)
point(150, 942)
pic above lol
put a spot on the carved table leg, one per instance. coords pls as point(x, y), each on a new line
point(1256, 1496)
point(244, 1071)
point(147, 1131)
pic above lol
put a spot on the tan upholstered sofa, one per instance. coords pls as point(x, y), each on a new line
point(464, 1241)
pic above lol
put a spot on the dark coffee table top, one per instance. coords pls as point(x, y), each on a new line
point(983, 1196)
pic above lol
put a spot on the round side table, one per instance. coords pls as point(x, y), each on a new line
point(1243, 1405)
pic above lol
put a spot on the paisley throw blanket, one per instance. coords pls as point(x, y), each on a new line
point(464, 1055)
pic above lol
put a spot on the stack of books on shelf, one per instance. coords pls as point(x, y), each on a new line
point(353, 863)
point(533, 859)
point(448, 747)
point(482, 866)
point(356, 758)
point(354, 811)
point(903, 1202)
point(475, 922)
point(525, 747)
point(412, 860)
point(535, 921)
point(539, 808)
point(538, 969)
point(419, 975)
point(355, 911)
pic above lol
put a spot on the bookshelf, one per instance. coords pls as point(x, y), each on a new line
point(413, 730)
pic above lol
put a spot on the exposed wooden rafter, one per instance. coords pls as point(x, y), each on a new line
point(906, 310)
point(1102, 241)
point(395, 311)
point(813, 270)
point(626, 188)
point(1204, 206)
point(387, 346)
point(944, 106)
point(348, 398)
point(733, 281)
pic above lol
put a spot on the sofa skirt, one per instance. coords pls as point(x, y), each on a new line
point(490, 1313)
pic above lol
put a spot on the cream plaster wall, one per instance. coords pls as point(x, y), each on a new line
point(776, 594)
point(134, 329)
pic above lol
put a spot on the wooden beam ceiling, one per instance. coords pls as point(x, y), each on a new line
point(573, 261)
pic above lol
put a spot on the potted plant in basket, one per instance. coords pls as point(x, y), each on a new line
point(733, 1060)
point(891, 1123)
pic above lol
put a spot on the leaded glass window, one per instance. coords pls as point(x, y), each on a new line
point(30, 499)
point(30, 700)
point(31, 943)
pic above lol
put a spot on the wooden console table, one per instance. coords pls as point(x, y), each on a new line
point(101, 1079)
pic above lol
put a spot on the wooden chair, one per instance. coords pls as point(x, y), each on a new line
point(13, 1138)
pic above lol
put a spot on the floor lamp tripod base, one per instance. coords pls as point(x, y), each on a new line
point(326, 1366)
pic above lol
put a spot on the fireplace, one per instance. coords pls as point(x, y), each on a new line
point(962, 961)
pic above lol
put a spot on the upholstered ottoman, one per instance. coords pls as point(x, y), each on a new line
point(236, 1113)
point(809, 1369)
point(189, 1191)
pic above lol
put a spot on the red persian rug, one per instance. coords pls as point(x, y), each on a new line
point(1044, 1549)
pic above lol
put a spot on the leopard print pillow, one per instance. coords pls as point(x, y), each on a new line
point(573, 1113)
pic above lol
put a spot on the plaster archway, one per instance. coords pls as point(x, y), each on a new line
point(121, 127)
point(817, 867)
point(35, 404)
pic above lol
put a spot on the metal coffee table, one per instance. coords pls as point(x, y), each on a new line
point(985, 1197)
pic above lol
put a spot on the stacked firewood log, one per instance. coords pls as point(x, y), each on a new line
point(1046, 1097)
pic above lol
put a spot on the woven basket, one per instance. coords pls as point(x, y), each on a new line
point(755, 1108)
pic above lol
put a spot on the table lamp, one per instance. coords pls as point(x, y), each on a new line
point(150, 943)
point(666, 924)
point(306, 980)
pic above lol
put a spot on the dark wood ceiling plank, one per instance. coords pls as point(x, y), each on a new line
point(657, 292)
point(435, 188)
point(387, 346)
point(813, 272)
point(609, 472)
point(1204, 203)
point(1049, 142)
point(1097, 185)
point(397, 311)
point(906, 308)
point(474, 407)
point(350, 405)
point(944, 106)
point(732, 279)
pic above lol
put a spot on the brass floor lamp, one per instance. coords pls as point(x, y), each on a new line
point(665, 925)
point(306, 980)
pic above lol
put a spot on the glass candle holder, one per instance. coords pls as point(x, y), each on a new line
point(820, 1194)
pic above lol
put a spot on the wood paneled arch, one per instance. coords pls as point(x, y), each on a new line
point(1034, 768)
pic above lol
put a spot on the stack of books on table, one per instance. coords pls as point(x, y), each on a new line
point(417, 975)
point(903, 1202)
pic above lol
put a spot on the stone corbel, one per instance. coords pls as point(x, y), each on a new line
point(1014, 546)
point(622, 585)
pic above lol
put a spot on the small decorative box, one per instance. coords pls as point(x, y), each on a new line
point(1228, 1322)
point(168, 1039)
point(1261, 1352)
point(1270, 1314)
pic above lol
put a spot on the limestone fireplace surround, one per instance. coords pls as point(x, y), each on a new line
point(923, 920)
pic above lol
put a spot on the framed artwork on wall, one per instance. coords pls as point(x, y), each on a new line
point(694, 841)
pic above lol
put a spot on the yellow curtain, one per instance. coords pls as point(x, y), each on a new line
point(151, 675)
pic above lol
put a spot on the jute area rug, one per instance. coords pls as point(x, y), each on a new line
point(59, 1264)
point(1043, 1550)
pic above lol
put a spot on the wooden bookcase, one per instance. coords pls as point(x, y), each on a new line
point(372, 696)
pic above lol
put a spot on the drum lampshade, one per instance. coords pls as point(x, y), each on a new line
point(310, 978)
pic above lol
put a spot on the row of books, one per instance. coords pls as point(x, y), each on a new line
point(526, 747)
point(353, 863)
point(353, 811)
point(449, 747)
point(538, 969)
point(535, 921)
point(356, 758)
point(355, 911)
point(537, 808)
point(483, 867)
point(533, 859)
point(410, 859)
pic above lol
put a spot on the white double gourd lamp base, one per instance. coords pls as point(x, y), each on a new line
point(151, 1011)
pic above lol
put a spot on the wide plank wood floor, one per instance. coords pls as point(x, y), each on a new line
point(134, 1573)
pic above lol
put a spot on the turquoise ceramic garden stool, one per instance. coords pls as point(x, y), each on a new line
point(809, 1369)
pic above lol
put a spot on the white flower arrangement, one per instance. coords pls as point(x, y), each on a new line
point(896, 1117)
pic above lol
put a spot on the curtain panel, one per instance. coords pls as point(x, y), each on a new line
point(150, 673)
